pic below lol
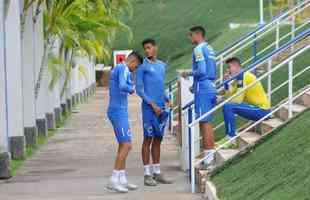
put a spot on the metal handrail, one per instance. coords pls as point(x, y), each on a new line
point(257, 30)
point(289, 61)
point(263, 59)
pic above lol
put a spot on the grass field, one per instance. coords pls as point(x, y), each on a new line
point(168, 22)
point(277, 169)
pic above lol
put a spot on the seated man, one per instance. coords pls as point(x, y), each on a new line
point(252, 104)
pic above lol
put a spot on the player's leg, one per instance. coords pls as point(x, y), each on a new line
point(203, 104)
point(250, 112)
point(244, 110)
point(148, 131)
point(156, 149)
point(230, 119)
point(118, 180)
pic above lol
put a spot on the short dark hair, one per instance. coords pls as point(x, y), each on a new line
point(198, 29)
point(137, 56)
point(233, 60)
point(149, 41)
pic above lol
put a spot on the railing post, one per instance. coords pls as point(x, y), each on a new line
point(221, 68)
point(293, 29)
point(170, 92)
point(290, 89)
point(277, 34)
point(191, 149)
point(254, 51)
point(269, 79)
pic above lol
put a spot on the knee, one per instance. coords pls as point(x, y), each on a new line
point(147, 142)
point(227, 107)
point(157, 142)
point(128, 146)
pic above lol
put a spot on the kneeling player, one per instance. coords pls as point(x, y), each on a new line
point(120, 85)
point(252, 104)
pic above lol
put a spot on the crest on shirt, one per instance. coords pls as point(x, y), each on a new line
point(199, 56)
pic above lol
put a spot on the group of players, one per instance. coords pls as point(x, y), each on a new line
point(150, 73)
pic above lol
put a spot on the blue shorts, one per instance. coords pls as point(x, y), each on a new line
point(153, 126)
point(203, 104)
point(119, 120)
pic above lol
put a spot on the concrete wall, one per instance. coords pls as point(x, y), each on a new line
point(14, 80)
point(3, 113)
point(28, 71)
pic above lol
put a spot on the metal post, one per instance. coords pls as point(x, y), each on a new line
point(254, 47)
point(191, 150)
point(261, 12)
point(290, 89)
point(221, 68)
point(269, 79)
point(293, 29)
point(277, 34)
point(171, 113)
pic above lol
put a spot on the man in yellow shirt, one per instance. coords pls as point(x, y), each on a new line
point(252, 103)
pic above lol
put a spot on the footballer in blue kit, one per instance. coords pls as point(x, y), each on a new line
point(150, 86)
point(120, 85)
point(204, 75)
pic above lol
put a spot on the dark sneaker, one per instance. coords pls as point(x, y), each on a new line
point(160, 178)
point(149, 181)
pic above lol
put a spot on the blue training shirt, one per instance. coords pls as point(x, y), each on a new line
point(204, 69)
point(120, 85)
point(150, 82)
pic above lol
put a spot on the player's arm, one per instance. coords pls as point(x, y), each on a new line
point(124, 85)
point(140, 86)
point(231, 91)
point(199, 59)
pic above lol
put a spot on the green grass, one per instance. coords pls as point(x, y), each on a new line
point(168, 22)
point(276, 169)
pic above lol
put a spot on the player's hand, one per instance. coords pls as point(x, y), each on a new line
point(156, 109)
point(168, 104)
point(227, 74)
point(219, 99)
point(184, 74)
point(191, 89)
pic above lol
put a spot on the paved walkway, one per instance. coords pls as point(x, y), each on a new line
point(77, 162)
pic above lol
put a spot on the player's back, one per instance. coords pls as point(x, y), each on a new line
point(204, 82)
point(118, 97)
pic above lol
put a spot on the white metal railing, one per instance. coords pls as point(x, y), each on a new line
point(190, 126)
point(251, 40)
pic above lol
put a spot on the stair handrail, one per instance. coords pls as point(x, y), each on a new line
point(252, 33)
point(263, 59)
point(190, 125)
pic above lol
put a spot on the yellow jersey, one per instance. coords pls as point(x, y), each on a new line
point(254, 95)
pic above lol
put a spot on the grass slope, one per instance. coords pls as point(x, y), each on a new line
point(168, 21)
point(276, 169)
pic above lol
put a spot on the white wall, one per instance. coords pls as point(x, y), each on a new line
point(41, 106)
point(14, 71)
point(56, 89)
point(3, 120)
point(28, 70)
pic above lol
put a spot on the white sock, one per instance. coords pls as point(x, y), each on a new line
point(210, 154)
point(147, 170)
point(156, 168)
point(115, 176)
point(123, 177)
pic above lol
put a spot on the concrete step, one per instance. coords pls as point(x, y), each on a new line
point(282, 113)
point(225, 154)
point(250, 138)
point(268, 125)
point(304, 100)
